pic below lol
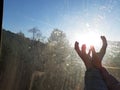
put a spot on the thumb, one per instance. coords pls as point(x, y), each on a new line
point(104, 41)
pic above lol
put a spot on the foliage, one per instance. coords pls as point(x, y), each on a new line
point(63, 69)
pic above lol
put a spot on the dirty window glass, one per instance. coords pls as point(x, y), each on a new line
point(38, 39)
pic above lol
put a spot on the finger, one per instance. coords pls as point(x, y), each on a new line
point(94, 54)
point(84, 48)
point(104, 41)
point(85, 57)
point(93, 49)
point(103, 49)
point(77, 48)
point(89, 51)
point(95, 58)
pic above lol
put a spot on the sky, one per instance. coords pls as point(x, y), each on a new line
point(74, 17)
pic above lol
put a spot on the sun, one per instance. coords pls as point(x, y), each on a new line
point(88, 38)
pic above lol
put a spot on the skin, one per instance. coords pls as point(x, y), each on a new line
point(95, 60)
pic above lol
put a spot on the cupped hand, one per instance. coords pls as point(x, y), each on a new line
point(95, 60)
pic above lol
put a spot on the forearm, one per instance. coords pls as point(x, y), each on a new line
point(94, 80)
point(112, 83)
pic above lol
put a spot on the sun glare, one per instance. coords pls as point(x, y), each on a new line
point(89, 38)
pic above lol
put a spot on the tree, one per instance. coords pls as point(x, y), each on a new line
point(34, 31)
point(37, 35)
point(21, 34)
point(57, 36)
point(61, 61)
point(57, 50)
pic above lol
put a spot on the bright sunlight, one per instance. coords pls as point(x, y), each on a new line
point(89, 38)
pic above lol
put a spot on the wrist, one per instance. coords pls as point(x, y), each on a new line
point(98, 66)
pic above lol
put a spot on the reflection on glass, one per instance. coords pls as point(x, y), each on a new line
point(38, 42)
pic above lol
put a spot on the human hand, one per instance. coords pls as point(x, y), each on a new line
point(95, 60)
point(102, 51)
point(97, 57)
point(86, 58)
